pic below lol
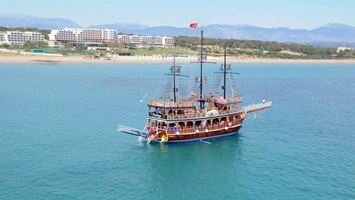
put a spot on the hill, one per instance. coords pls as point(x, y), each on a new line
point(25, 21)
point(330, 35)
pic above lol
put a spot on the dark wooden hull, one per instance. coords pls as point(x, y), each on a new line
point(203, 135)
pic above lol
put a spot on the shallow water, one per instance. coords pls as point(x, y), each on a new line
point(58, 136)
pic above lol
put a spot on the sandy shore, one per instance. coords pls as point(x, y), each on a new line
point(154, 59)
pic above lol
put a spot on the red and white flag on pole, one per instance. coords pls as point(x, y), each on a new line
point(193, 25)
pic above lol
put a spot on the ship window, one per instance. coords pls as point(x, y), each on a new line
point(230, 118)
point(181, 124)
point(198, 123)
point(163, 124)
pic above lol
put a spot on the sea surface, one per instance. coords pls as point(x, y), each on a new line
point(58, 136)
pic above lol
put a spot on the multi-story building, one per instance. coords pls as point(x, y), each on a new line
point(126, 39)
point(109, 35)
point(3, 38)
point(136, 39)
point(64, 36)
point(168, 41)
point(15, 37)
point(33, 36)
point(19, 38)
point(146, 40)
point(97, 36)
point(100, 36)
point(82, 36)
point(158, 41)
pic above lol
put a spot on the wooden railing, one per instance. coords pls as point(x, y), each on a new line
point(202, 114)
point(168, 103)
point(193, 130)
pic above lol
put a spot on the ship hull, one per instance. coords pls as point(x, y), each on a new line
point(201, 136)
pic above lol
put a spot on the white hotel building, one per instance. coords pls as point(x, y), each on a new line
point(100, 36)
point(82, 36)
point(146, 40)
point(19, 38)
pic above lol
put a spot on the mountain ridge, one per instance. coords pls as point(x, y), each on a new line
point(332, 33)
point(28, 21)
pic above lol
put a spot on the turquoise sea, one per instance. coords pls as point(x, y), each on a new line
point(58, 136)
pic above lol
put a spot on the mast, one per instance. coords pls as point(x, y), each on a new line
point(224, 70)
point(201, 62)
point(174, 74)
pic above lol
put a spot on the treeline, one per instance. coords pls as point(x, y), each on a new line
point(247, 48)
point(253, 48)
point(44, 32)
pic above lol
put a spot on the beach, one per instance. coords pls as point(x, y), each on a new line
point(43, 58)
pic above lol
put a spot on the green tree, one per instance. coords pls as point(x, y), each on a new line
point(34, 45)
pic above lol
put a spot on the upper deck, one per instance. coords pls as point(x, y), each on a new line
point(162, 103)
point(226, 101)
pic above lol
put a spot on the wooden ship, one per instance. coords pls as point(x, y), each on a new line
point(199, 116)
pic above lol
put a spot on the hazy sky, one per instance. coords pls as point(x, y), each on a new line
point(266, 13)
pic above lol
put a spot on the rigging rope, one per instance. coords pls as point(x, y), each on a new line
point(254, 118)
point(151, 86)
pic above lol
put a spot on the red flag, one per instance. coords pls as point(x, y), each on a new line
point(193, 25)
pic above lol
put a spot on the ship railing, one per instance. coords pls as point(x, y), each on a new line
point(256, 107)
point(168, 103)
point(206, 128)
point(225, 112)
point(228, 100)
point(200, 115)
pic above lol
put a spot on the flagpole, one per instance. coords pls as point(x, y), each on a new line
point(200, 79)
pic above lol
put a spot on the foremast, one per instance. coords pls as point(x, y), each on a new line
point(174, 74)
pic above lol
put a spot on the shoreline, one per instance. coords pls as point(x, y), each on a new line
point(30, 59)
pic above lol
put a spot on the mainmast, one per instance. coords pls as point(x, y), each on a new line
point(201, 78)
point(174, 74)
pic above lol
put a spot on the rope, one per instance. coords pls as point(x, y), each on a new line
point(231, 85)
point(254, 118)
point(151, 85)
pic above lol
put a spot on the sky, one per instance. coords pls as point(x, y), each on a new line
point(264, 13)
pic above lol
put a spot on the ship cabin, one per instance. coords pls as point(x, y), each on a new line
point(184, 117)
